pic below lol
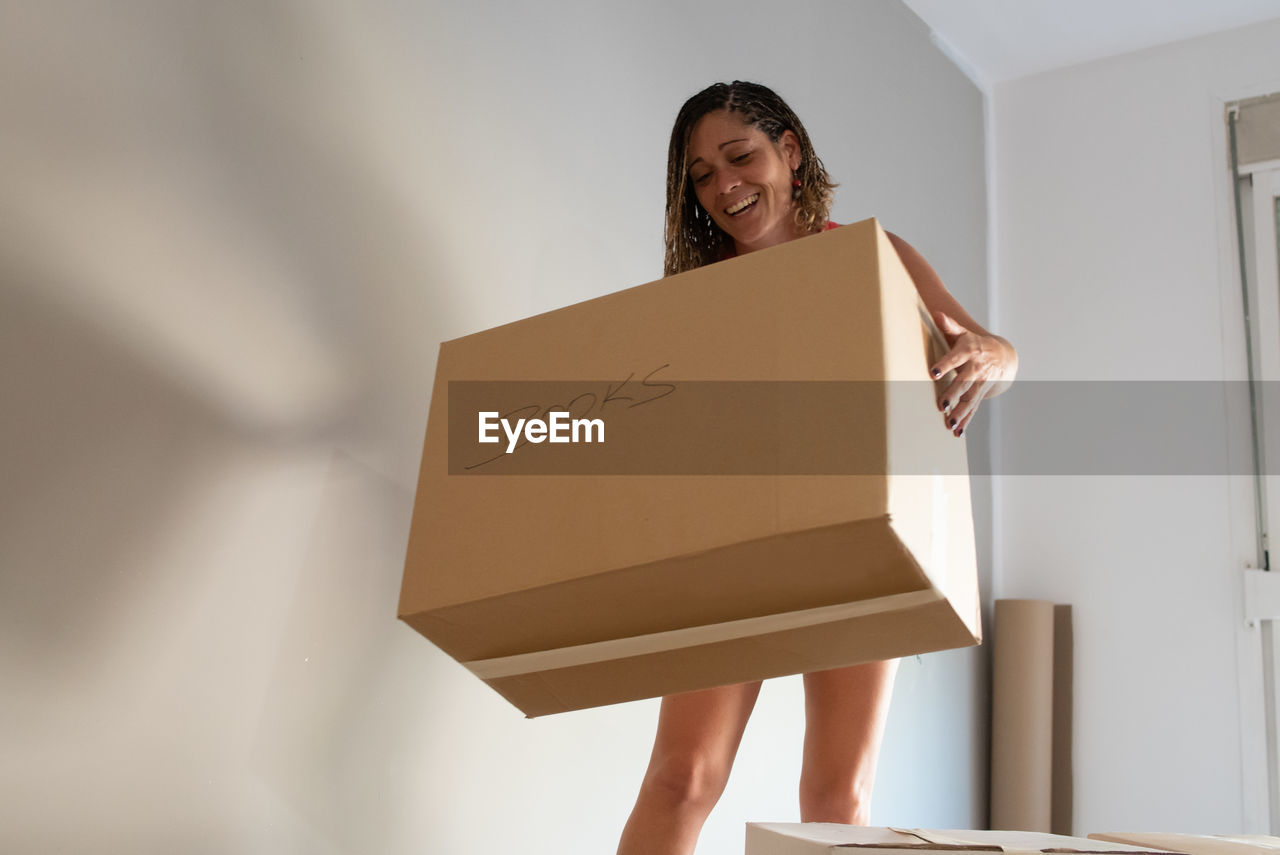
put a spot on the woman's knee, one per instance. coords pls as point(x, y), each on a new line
point(687, 780)
point(834, 801)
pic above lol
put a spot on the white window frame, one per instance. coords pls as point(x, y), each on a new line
point(1258, 645)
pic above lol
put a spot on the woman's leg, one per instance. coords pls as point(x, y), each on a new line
point(698, 737)
point(845, 712)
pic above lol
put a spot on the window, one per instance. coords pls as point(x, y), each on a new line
point(1254, 136)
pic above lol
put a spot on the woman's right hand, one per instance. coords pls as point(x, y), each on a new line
point(984, 364)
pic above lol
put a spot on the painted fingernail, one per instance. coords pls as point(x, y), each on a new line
point(946, 405)
point(936, 373)
point(952, 423)
point(960, 433)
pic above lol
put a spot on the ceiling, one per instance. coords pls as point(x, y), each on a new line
point(996, 40)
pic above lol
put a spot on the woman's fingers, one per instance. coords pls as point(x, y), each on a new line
point(959, 358)
point(956, 400)
point(977, 369)
point(966, 403)
point(952, 331)
point(959, 417)
point(979, 363)
point(963, 345)
point(970, 408)
point(953, 359)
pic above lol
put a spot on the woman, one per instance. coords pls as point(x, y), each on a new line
point(742, 175)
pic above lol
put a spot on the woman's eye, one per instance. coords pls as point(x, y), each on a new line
point(702, 179)
point(742, 157)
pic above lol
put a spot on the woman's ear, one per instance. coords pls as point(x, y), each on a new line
point(790, 145)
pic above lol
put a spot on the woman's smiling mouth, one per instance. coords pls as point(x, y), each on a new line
point(738, 207)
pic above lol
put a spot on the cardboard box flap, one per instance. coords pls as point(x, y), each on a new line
point(783, 650)
point(1013, 842)
point(1198, 844)
point(714, 587)
point(678, 639)
point(896, 840)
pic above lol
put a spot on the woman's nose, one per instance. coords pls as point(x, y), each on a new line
point(728, 180)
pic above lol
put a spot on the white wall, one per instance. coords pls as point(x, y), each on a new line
point(1115, 261)
point(234, 236)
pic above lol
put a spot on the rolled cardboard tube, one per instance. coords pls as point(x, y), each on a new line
point(1022, 716)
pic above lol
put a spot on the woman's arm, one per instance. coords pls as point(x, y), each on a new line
point(985, 364)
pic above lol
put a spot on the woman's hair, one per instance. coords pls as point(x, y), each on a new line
point(692, 238)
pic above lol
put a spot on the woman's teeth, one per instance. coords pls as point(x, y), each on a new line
point(739, 207)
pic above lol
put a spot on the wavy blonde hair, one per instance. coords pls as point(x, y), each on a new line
point(692, 238)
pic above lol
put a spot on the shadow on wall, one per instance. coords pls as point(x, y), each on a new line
point(213, 189)
point(213, 294)
point(100, 463)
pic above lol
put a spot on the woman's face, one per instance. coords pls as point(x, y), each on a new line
point(743, 180)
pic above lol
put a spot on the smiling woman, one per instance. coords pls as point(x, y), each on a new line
point(742, 179)
point(742, 175)
point(733, 147)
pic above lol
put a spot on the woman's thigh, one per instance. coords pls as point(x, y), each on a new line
point(845, 712)
point(699, 732)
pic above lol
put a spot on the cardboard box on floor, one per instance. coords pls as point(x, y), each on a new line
point(821, 838)
point(1198, 844)
point(707, 540)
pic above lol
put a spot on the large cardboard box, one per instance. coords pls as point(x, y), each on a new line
point(775, 494)
point(1197, 844)
point(821, 838)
